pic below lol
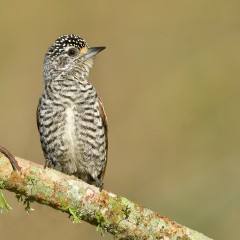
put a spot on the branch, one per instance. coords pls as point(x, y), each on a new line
point(109, 212)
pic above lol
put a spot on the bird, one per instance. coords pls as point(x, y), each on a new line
point(71, 118)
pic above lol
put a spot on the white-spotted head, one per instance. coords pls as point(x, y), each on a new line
point(69, 53)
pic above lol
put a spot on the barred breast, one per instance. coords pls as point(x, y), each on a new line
point(73, 132)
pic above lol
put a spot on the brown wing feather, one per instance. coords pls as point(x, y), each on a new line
point(37, 114)
point(105, 125)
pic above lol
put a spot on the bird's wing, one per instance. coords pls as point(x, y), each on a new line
point(105, 125)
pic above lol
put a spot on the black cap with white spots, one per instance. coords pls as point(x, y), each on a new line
point(63, 41)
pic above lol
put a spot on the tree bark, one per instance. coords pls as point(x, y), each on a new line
point(108, 211)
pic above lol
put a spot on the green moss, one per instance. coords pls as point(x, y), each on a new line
point(101, 220)
point(35, 171)
point(32, 182)
point(112, 202)
point(126, 202)
point(62, 201)
point(3, 203)
point(47, 191)
point(26, 201)
point(127, 211)
point(2, 185)
point(75, 214)
point(36, 187)
point(154, 222)
point(138, 219)
point(63, 206)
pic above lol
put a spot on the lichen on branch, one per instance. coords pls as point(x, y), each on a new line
point(109, 212)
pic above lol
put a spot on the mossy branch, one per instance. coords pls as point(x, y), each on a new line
point(109, 212)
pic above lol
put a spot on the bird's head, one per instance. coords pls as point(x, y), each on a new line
point(69, 54)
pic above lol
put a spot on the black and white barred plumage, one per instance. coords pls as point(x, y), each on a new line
point(70, 116)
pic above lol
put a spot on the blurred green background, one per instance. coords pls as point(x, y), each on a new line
point(169, 80)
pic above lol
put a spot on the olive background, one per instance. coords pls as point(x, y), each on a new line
point(169, 81)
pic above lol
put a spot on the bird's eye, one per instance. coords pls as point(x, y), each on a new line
point(72, 52)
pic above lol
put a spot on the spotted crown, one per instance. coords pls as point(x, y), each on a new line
point(63, 41)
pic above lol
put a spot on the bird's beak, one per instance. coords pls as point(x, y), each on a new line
point(92, 51)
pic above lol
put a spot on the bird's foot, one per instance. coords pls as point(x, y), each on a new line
point(98, 183)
